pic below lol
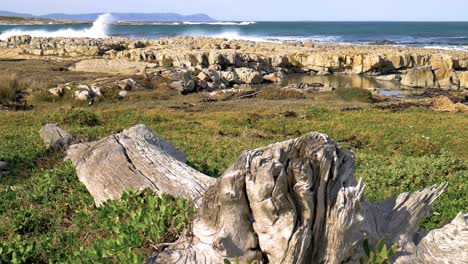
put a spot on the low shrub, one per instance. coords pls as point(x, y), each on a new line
point(82, 118)
point(380, 254)
point(56, 221)
point(354, 94)
point(9, 88)
point(280, 94)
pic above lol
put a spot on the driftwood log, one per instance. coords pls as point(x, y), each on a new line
point(138, 159)
point(291, 202)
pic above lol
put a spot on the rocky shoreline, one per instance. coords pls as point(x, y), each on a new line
point(195, 64)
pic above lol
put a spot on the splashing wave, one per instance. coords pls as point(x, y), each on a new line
point(99, 29)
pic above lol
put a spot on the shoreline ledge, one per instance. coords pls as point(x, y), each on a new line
point(225, 63)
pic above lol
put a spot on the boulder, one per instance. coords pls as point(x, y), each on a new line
point(183, 86)
point(441, 61)
point(57, 91)
point(54, 137)
point(249, 76)
point(96, 91)
point(421, 77)
point(463, 77)
point(129, 84)
point(3, 168)
point(279, 61)
point(82, 95)
point(446, 78)
point(229, 77)
point(275, 77)
point(364, 63)
point(203, 77)
point(123, 94)
point(213, 75)
point(19, 40)
point(389, 77)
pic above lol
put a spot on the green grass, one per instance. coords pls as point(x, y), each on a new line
point(52, 219)
point(46, 215)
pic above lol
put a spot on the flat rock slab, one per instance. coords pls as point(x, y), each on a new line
point(135, 159)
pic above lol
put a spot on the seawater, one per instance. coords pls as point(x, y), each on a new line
point(444, 35)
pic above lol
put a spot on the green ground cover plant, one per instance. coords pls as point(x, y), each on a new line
point(46, 214)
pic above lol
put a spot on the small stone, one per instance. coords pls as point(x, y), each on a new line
point(96, 91)
point(3, 168)
point(57, 91)
point(82, 95)
point(55, 137)
point(123, 94)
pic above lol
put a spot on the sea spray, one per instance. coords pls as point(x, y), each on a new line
point(99, 29)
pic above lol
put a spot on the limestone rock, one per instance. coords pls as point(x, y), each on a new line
point(279, 61)
point(57, 91)
point(123, 94)
point(388, 77)
point(183, 86)
point(96, 91)
point(82, 95)
point(463, 77)
point(418, 77)
point(110, 66)
point(129, 84)
point(249, 76)
point(275, 77)
point(55, 137)
point(229, 77)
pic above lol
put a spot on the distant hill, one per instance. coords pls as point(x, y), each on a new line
point(125, 17)
point(13, 14)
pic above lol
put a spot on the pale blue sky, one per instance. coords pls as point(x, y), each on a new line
point(394, 10)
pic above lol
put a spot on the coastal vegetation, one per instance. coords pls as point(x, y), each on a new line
point(47, 215)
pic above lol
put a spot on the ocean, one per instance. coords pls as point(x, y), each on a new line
point(443, 35)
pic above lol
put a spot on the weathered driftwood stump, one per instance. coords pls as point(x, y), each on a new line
point(291, 202)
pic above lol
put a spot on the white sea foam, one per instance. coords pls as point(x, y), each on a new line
point(97, 30)
point(448, 47)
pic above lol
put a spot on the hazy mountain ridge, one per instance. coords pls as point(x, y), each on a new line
point(129, 17)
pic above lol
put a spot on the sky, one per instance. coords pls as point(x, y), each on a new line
point(258, 10)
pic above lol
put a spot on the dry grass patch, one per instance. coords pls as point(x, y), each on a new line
point(280, 94)
point(9, 88)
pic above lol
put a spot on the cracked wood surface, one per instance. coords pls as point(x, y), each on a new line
point(138, 159)
point(295, 201)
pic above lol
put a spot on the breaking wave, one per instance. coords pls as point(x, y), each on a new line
point(99, 29)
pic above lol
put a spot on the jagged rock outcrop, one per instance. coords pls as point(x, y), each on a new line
point(421, 77)
point(54, 137)
point(417, 67)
